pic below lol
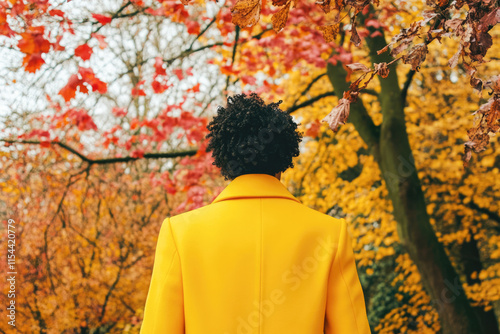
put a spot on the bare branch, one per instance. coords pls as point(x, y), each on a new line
point(159, 155)
point(309, 102)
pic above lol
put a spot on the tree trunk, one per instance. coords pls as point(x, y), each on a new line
point(390, 146)
point(469, 252)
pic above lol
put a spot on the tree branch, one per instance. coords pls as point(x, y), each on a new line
point(202, 32)
point(309, 102)
point(235, 48)
point(313, 81)
point(173, 154)
point(404, 91)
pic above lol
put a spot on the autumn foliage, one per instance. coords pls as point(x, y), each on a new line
point(104, 111)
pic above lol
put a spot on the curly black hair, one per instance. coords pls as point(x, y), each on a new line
point(252, 137)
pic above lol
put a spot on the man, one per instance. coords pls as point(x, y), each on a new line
point(255, 260)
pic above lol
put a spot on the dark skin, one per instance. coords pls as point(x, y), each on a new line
point(278, 176)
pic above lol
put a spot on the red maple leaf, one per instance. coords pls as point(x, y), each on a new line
point(101, 40)
point(68, 92)
point(158, 87)
point(33, 44)
point(178, 72)
point(78, 81)
point(193, 27)
point(80, 118)
point(137, 153)
point(103, 19)
point(83, 51)
point(159, 70)
point(56, 12)
point(89, 77)
point(195, 88)
point(33, 62)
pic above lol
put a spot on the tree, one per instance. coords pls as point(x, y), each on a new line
point(338, 175)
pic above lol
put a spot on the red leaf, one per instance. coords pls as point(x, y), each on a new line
point(103, 19)
point(228, 70)
point(56, 12)
point(138, 92)
point(195, 88)
point(101, 40)
point(57, 46)
point(80, 118)
point(38, 133)
point(119, 112)
point(137, 154)
point(68, 92)
point(32, 62)
point(313, 129)
point(33, 44)
point(178, 72)
point(159, 87)
point(83, 51)
point(134, 124)
point(248, 79)
point(159, 66)
point(89, 77)
point(193, 27)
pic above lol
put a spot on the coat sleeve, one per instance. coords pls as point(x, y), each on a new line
point(345, 305)
point(164, 310)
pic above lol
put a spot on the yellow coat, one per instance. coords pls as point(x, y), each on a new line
point(256, 260)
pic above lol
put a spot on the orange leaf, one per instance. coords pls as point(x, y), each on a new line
point(246, 13)
point(279, 19)
point(324, 5)
point(329, 32)
point(32, 62)
point(68, 92)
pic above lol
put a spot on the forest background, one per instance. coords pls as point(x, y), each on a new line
point(104, 108)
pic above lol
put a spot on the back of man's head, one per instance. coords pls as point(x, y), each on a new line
point(249, 136)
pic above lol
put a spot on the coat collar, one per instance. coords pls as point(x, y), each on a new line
point(254, 186)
